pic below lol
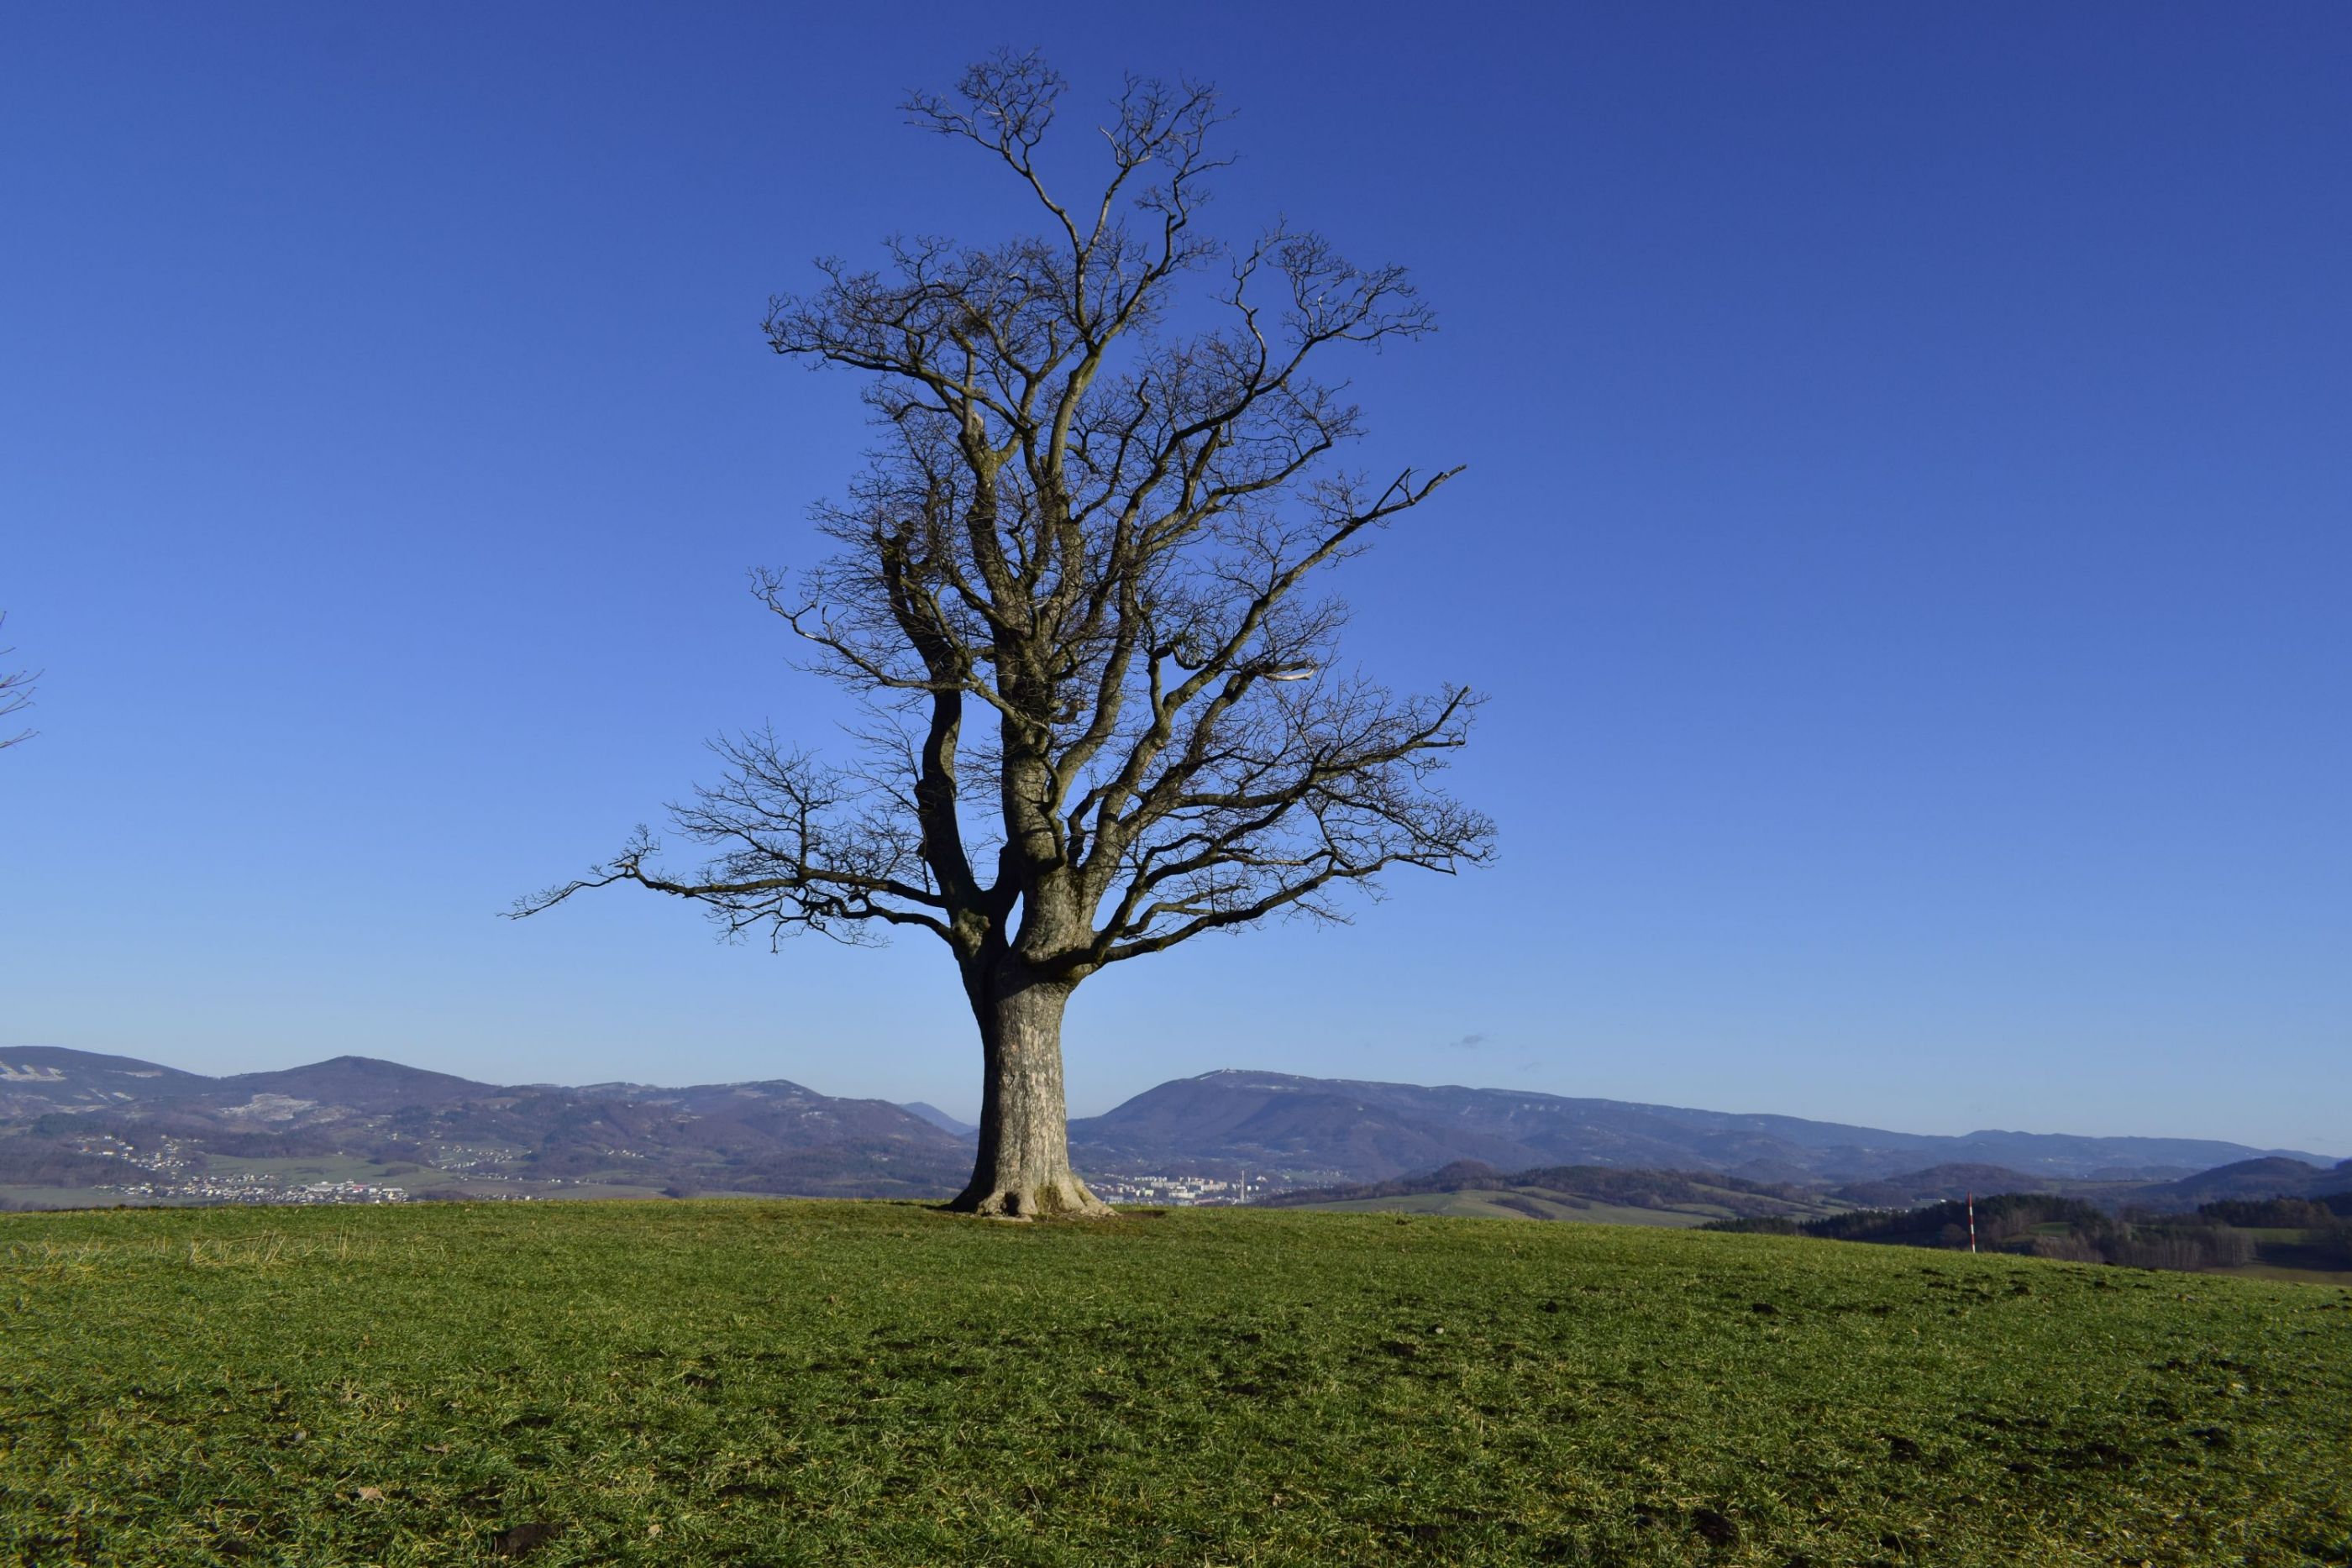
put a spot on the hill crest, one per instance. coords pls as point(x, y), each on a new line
point(1334, 1131)
point(1277, 1129)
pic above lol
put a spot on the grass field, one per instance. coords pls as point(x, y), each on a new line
point(851, 1383)
point(1696, 1204)
point(1482, 1203)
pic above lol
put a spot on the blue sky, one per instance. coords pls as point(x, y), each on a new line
point(1905, 540)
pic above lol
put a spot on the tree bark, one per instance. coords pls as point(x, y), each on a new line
point(1024, 1168)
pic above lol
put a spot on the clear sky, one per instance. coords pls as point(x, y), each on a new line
point(1905, 538)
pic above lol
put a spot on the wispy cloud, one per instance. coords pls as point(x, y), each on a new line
point(1468, 1042)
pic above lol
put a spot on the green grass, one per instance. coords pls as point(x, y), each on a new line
point(846, 1383)
point(1479, 1203)
point(2342, 1277)
point(1544, 1203)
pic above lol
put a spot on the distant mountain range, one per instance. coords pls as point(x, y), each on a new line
point(432, 1133)
point(1335, 1130)
point(2268, 1177)
point(941, 1119)
point(438, 1133)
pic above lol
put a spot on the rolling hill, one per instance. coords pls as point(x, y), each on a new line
point(87, 1126)
point(940, 1119)
point(2256, 1178)
point(699, 1383)
point(1329, 1131)
point(37, 1079)
point(64, 1114)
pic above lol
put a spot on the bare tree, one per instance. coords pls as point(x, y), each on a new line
point(1073, 591)
point(15, 692)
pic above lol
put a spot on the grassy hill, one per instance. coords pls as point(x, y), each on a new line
point(857, 1383)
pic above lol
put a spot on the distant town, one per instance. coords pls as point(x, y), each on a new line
point(170, 1179)
point(1176, 1191)
point(167, 1174)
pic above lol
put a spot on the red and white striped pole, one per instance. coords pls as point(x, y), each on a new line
point(1972, 1222)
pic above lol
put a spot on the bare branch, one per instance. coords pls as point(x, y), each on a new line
point(15, 692)
point(1102, 539)
point(797, 850)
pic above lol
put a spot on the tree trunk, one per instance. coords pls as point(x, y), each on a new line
point(1024, 1169)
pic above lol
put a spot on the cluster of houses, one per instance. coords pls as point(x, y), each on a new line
point(258, 1189)
point(169, 1178)
point(1177, 1191)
